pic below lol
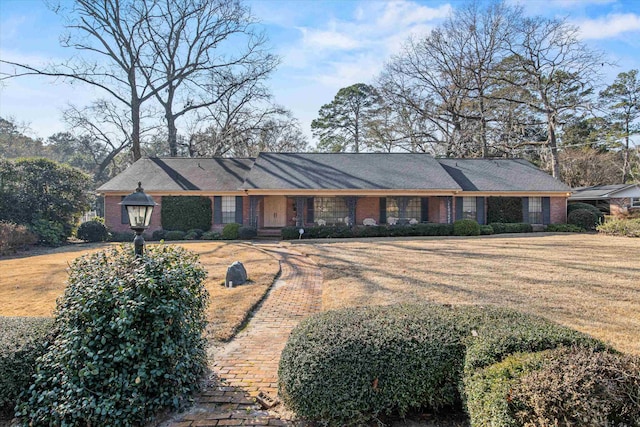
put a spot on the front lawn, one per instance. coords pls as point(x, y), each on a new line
point(30, 285)
point(584, 281)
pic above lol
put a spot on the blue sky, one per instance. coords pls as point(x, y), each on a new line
point(324, 46)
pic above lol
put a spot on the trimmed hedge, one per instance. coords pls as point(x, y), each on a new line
point(568, 386)
point(579, 205)
point(486, 230)
point(22, 341)
point(514, 227)
point(348, 366)
point(564, 228)
point(231, 231)
point(186, 213)
point(621, 227)
point(245, 233)
point(174, 235)
point(504, 209)
point(466, 227)
point(583, 218)
point(123, 236)
point(211, 235)
point(93, 231)
point(430, 229)
point(129, 340)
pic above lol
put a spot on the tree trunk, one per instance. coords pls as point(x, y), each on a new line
point(625, 155)
point(553, 146)
point(135, 129)
point(173, 134)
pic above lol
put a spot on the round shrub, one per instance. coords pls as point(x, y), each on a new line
point(211, 235)
point(577, 386)
point(93, 231)
point(49, 233)
point(247, 233)
point(22, 341)
point(194, 234)
point(129, 340)
point(486, 230)
point(347, 366)
point(230, 231)
point(159, 235)
point(122, 236)
point(578, 205)
point(175, 235)
point(584, 218)
point(466, 227)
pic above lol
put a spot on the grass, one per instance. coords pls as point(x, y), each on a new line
point(29, 286)
point(585, 281)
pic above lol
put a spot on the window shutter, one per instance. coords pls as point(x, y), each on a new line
point(383, 210)
point(424, 209)
point(124, 216)
point(310, 218)
point(239, 209)
point(525, 209)
point(480, 210)
point(546, 210)
point(458, 208)
point(217, 209)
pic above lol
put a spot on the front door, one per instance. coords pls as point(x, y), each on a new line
point(275, 211)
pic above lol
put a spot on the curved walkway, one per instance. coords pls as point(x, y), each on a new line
point(247, 366)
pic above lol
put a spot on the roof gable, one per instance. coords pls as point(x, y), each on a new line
point(602, 192)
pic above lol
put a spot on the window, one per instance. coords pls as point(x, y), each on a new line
point(405, 208)
point(124, 216)
point(469, 208)
point(535, 210)
point(635, 202)
point(228, 209)
point(332, 210)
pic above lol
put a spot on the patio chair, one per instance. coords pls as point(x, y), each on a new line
point(392, 220)
point(369, 222)
point(321, 222)
point(413, 221)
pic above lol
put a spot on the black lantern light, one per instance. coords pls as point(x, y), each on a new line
point(139, 208)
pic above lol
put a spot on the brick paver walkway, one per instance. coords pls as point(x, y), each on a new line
point(248, 364)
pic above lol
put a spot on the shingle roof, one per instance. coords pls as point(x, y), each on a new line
point(180, 174)
point(599, 191)
point(515, 175)
point(341, 171)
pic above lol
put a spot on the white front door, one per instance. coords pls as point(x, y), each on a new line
point(275, 211)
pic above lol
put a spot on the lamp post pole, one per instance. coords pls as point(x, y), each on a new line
point(139, 207)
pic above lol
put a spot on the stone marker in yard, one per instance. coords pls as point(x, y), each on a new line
point(236, 275)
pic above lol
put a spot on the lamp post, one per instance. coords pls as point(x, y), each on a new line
point(139, 207)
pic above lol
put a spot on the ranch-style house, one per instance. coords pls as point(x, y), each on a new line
point(275, 190)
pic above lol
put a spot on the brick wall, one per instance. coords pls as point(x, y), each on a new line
point(367, 207)
point(112, 215)
point(558, 212)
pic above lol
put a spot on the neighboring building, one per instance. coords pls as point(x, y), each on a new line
point(276, 190)
point(616, 200)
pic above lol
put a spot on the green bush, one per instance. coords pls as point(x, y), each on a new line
point(246, 233)
point(49, 233)
point(466, 227)
point(583, 218)
point(93, 231)
point(211, 235)
point(22, 341)
point(486, 230)
point(158, 235)
point(122, 236)
point(175, 235)
point(578, 205)
point(186, 213)
point(230, 231)
point(194, 234)
point(433, 229)
point(290, 233)
point(564, 228)
point(350, 365)
point(14, 237)
point(621, 227)
point(515, 227)
point(129, 340)
point(567, 386)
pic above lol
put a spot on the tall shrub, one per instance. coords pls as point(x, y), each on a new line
point(185, 213)
point(129, 340)
point(504, 209)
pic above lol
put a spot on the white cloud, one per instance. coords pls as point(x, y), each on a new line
point(609, 26)
point(327, 39)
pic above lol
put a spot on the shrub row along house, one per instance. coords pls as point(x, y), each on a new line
point(276, 190)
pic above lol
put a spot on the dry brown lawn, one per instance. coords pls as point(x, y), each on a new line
point(588, 282)
point(29, 286)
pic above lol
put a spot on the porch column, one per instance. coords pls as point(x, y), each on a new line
point(253, 210)
point(449, 209)
point(300, 211)
point(351, 206)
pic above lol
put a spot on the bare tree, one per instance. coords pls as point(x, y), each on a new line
point(552, 72)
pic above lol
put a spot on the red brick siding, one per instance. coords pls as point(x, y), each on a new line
point(112, 216)
point(558, 212)
point(367, 207)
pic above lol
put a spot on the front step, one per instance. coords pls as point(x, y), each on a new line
point(269, 234)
